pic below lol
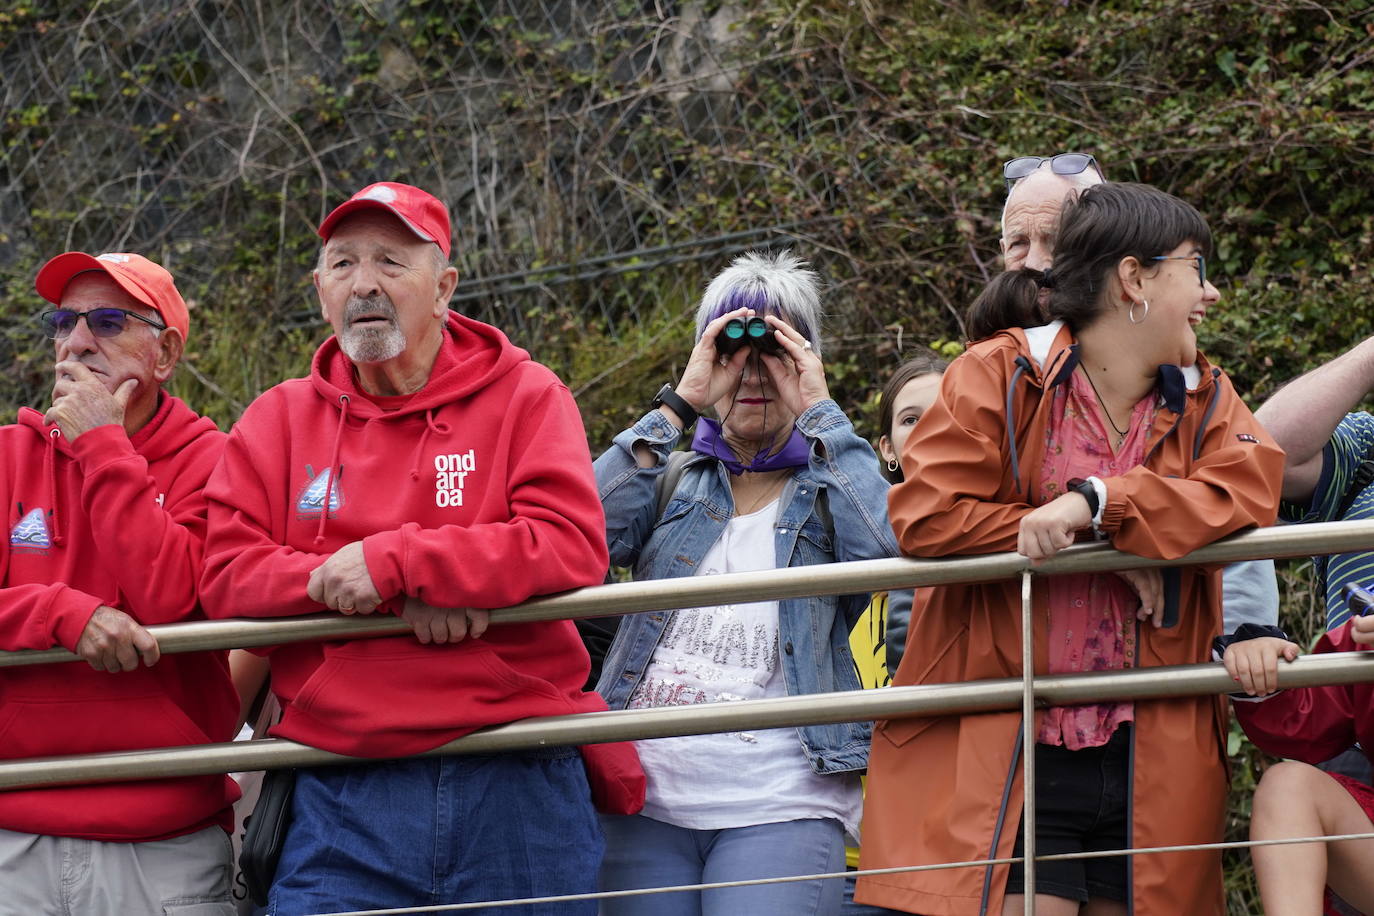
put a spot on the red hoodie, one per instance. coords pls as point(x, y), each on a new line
point(475, 491)
point(121, 522)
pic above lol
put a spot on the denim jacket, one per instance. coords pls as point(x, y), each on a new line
point(813, 632)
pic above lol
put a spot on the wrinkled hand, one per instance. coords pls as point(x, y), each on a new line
point(342, 582)
point(1050, 528)
point(1254, 663)
point(706, 380)
point(1362, 630)
point(81, 402)
point(113, 641)
point(1149, 585)
point(798, 378)
point(444, 624)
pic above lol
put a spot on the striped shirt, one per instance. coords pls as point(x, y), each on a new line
point(1350, 445)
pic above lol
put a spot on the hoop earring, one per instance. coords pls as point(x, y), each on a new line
point(1143, 315)
point(892, 465)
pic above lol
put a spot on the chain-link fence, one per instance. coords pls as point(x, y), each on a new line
point(601, 159)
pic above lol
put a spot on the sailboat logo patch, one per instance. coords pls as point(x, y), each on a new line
point(310, 502)
point(31, 532)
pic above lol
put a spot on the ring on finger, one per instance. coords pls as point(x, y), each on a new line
point(806, 345)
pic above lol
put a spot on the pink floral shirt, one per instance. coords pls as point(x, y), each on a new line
point(1092, 622)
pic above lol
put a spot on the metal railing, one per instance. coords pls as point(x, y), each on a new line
point(633, 724)
point(703, 591)
point(1025, 693)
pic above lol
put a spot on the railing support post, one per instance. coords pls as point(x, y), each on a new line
point(1028, 742)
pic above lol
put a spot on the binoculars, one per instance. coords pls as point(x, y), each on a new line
point(1359, 600)
point(753, 332)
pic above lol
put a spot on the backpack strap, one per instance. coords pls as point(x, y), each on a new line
point(823, 511)
point(667, 482)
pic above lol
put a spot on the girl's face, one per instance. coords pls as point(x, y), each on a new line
point(1179, 296)
point(913, 399)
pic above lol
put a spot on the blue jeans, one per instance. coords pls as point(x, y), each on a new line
point(642, 852)
point(441, 830)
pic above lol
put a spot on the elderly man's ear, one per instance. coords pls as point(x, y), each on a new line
point(170, 346)
point(448, 282)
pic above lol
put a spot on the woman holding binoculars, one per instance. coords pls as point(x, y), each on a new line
point(779, 480)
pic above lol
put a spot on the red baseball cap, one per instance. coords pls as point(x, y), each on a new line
point(147, 282)
point(422, 212)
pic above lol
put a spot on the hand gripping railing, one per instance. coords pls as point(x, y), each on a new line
point(704, 591)
point(635, 597)
point(640, 597)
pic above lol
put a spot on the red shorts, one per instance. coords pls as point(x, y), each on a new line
point(1364, 796)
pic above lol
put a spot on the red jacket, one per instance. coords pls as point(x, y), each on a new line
point(948, 788)
point(476, 491)
point(1313, 724)
point(121, 522)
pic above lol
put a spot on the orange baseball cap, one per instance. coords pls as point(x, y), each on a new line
point(422, 212)
point(147, 282)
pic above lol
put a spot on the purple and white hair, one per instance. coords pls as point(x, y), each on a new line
point(770, 284)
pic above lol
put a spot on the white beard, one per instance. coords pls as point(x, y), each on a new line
point(372, 344)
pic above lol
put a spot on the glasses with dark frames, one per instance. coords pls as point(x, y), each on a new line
point(1013, 170)
point(103, 322)
point(1201, 263)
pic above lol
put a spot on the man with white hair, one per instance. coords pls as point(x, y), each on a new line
point(107, 521)
point(426, 468)
point(1036, 189)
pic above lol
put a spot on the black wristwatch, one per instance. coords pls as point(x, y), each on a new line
point(1085, 489)
point(666, 395)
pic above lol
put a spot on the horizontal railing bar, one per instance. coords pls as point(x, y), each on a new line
point(201, 635)
point(704, 591)
point(648, 892)
point(631, 724)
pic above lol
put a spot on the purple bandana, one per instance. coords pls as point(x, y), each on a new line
point(795, 452)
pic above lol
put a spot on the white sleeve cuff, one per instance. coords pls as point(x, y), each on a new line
point(1101, 490)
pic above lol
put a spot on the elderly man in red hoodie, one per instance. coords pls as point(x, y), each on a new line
point(105, 493)
point(426, 468)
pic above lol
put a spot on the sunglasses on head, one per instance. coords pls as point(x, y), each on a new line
point(102, 322)
point(1014, 170)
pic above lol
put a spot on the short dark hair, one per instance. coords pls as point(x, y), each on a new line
point(926, 363)
point(1104, 224)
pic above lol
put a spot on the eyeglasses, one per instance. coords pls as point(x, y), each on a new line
point(103, 322)
point(1014, 170)
point(1201, 263)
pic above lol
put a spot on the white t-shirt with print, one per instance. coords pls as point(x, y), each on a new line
point(720, 654)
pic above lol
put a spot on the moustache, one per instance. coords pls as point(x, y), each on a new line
point(375, 306)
